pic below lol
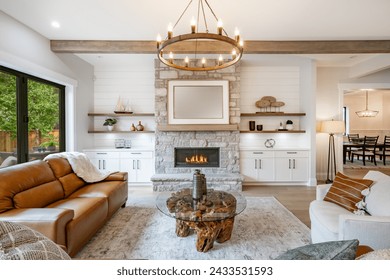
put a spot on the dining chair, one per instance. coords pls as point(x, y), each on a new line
point(385, 150)
point(352, 138)
point(368, 149)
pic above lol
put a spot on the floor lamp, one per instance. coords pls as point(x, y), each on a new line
point(332, 127)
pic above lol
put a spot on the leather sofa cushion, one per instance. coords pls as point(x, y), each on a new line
point(90, 213)
point(115, 191)
point(18, 181)
point(64, 172)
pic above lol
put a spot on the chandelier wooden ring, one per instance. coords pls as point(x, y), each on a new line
point(200, 36)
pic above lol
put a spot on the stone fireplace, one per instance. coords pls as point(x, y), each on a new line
point(171, 174)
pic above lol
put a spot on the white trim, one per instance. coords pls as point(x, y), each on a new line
point(224, 119)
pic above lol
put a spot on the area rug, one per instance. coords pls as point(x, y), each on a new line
point(139, 231)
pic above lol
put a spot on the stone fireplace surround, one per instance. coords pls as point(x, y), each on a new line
point(168, 177)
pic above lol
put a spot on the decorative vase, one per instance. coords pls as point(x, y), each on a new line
point(289, 127)
point(252, 125)
point(132, 128)
point(110, 127)
point(140, 127)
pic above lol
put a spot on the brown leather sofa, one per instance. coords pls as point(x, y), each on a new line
point(49, 197)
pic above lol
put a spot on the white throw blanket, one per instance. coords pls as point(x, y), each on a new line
point(82, 166)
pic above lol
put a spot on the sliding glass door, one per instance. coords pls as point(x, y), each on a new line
point(32, 117)
point(8, 119)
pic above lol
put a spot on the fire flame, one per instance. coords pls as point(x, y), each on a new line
point(197, 159)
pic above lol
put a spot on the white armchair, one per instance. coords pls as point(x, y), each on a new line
point(331, 222)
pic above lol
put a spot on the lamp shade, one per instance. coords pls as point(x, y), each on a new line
point(333, 127)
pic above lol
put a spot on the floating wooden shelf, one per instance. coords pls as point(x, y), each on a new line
point(121, 131)
point(121, 115)
point(198, 127)
point(273, 131)
point(270, 114)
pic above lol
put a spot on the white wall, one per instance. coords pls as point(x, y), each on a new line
point(329, 106)
point(25, 50)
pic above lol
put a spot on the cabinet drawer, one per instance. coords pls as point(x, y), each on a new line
point(102, 155)
point(136, 154)
point(256, 154)
point(286, 154)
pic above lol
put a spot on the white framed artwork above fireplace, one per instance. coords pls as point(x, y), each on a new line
point(198, 102)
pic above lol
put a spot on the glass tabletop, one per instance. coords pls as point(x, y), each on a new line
point(215, 206)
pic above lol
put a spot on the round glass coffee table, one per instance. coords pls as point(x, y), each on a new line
point(212, 217)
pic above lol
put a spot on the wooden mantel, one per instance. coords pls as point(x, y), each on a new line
point(198, 127)
point(251, 47)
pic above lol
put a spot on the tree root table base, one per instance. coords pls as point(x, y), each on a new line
point(207, 232)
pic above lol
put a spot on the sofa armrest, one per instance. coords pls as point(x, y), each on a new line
point(369, 230)
point(321, 191)
point(117, 176)
point(49, 221)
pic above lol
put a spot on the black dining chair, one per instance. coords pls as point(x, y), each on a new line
point(352, 138)
point(385, 149)
point(368, 149)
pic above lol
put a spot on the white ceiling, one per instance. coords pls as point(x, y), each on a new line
point(256, 19)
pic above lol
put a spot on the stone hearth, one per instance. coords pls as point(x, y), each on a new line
point(167, 176)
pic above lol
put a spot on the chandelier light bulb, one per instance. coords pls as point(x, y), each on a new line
point(220, 27)
point(241, 43)
point(193, 25)
point(171, 57)
point(234, 54)
point(158, 40)
point(170, 31)
point(220, 59)
point(237, 34)
point(186, 61)
point(203, 62)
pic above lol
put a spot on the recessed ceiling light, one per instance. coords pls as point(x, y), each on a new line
point(55, 24)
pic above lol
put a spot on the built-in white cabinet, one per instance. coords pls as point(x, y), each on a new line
point(139, 164)
point(285, 166)
point(105, 161)
point(292, 166)
point(257, 166)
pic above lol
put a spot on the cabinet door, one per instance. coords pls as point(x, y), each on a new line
point(144, 170)
point(265, 169)
point(110, 164)
point(283, 169)
point(249, 169)
point(129, 165)
point(300, 170)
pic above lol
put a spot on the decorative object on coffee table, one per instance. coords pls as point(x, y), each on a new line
point(212, 217)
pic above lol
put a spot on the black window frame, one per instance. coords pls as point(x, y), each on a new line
point(22, 111)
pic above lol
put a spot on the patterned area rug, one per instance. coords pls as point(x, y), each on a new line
point(263, 231)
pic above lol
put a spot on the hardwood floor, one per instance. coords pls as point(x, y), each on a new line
point(294, 198)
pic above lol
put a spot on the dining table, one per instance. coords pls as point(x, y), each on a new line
point(355, 144)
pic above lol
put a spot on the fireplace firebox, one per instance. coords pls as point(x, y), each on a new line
point(197, 157)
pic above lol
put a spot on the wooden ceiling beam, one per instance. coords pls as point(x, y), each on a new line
point(250, 47)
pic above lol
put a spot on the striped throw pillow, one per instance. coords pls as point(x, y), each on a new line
point(347, 192)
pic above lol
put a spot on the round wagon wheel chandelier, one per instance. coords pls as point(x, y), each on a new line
point(192, 51)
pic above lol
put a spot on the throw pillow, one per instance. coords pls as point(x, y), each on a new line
point(347, 192)
point(19, 242)
point(332, 250)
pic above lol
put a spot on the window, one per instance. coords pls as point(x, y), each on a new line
point(32, 117)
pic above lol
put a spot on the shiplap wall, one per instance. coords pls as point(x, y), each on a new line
point(133, 83)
